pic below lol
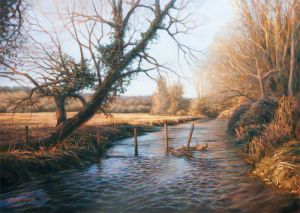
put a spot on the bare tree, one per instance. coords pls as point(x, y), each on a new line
point(260, 54)
point(294, 25)
point(271, 28)
point(167, 99)
point(176, 98)
point(233, 71)
point(160, 98)
point(113, 43)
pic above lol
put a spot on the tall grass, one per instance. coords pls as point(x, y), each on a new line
point(277, 132)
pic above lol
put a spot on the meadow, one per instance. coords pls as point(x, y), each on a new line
point(12, 126)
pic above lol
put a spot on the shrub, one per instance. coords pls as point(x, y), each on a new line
point(277, 132)
point(247, 133)
point(282, 167)
point(227, 113)
point(210, 111)
point(2, 109)
point(181, 113)
point(260, 112)
point(204, 106)
point(236, 116)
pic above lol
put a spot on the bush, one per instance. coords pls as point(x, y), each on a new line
point(2, 109)
point(204, 106)
point(277, 132)
point(246, 134)
point(236, 116)
point(282, 167)
point(260, 112)
point(181, 113)
point(297, 130)
point(227, 113)
point(210, 111)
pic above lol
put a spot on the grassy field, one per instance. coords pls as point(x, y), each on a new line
point(48, 119)
point(12, 127)
point(78, 150)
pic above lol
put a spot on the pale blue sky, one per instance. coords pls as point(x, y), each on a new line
point(214, 16)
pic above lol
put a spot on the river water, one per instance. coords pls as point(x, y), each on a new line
point(214, 180)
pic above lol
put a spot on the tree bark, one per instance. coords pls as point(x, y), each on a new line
point(66, 127)
point(117, 63)
point(260, 80)
point(61, 114)
point(262, 88)
point(292, 67)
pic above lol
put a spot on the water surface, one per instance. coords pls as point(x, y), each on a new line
point(215, 180)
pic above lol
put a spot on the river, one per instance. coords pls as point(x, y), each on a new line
point(215, 180)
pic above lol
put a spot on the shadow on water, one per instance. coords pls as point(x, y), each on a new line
point(215, 180)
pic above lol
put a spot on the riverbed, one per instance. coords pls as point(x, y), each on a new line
point(215, 180)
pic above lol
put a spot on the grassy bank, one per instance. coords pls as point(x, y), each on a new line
point(12, 127)
point(82, 148)
point(268, 132)
point(281, 167)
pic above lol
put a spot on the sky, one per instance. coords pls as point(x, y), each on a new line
point(215, 16)
point(211, 15)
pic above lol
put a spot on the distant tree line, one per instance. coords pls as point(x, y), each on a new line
point(10, 96)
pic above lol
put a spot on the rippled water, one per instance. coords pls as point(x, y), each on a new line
point(215, 180)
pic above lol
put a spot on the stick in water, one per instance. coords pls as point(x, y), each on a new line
point(135, 142)
point(166, 137)
point(26, 135)
point(190, 138)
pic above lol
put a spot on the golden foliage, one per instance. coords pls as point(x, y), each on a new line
point(276, 132)
point(282, 168)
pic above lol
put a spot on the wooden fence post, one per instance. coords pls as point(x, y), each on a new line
point(97, 144)
point(135, 142)
point(166, 137)
point(190, 138)
point(27, 135)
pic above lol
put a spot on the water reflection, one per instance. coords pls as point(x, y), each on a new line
point(212, 181)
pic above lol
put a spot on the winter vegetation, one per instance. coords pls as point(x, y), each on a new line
point(254, 70)
point(121, 104)
point(168, 99)
point(253, 81)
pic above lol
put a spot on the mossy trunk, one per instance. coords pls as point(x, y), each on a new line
point(61, 114)
point(66, 127)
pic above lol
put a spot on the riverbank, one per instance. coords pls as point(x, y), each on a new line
point(214, 180)
point(268, 134)
point(82, 148)
point(281, 167)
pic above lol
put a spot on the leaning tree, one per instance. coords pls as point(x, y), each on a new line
point(112, 40)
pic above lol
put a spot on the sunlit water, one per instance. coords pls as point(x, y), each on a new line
point(215, 180)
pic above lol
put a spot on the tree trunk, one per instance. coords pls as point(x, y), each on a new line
point(69, 125)
point(292, 67)
point(61, 114)
point(262, 88)
point(116, 64)
point(260, 80)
